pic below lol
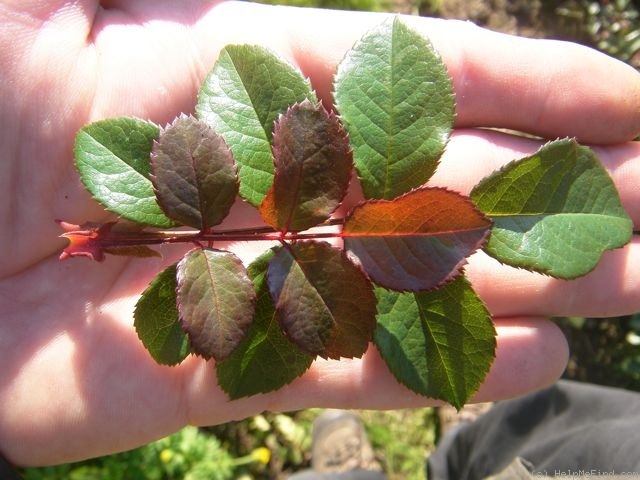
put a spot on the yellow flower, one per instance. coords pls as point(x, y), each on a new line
point(262, 455)
point(166, 455)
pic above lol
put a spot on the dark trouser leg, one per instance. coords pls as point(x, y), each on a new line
point(567, 427)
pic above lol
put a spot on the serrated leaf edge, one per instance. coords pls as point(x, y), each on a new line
point(458, 270)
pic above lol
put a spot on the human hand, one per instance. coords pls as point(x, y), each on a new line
point(76, 382)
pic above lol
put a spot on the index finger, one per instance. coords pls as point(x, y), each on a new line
point(548, 88)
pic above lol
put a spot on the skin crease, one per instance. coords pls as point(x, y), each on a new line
point(77, 383)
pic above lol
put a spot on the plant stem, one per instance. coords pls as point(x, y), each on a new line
point(94, 240)
point(235, 235)
point(157, 238)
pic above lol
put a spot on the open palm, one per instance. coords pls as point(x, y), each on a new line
point(75, 380)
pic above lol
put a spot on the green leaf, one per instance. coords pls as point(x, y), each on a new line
point(313, 166)
point(241, 99)
point(216, 301)
point(440, 344)
point(112, 157)
point(324, 303)
point(554, 212)
point(396, 100)
point(265, 360)
point(156, 320)
point(193, 174)
point(417, 241)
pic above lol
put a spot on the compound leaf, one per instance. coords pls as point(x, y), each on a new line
point(265, 360)
point(313, 166)
point(417, 241)
point(193, 174)
point(112, 157)
point(396, 99)
point(439, 344)
point(241, 99)
point(156, 320)
point(324, 303)
point(554, 212)
point(216, 301)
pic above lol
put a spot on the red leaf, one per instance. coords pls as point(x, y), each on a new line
point(324, 303)
point(216, 301)
point(313, 164)
point(193, 174)
point(417, 241)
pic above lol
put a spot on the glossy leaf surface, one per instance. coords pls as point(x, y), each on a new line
point(440, 344)
point(265, 360)
point(241, 99)
point(193, 174)
point(313, 166)
point(112, 157)
point(396, 99)
point(554, 212)
point(216, 301)
point(417, 241)
point(156, 320)
point(324, 303)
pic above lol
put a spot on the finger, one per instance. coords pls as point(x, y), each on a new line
point(478, 153)
point(545, 87)
point(531, 354)
point(542, 87)
point(612, 289)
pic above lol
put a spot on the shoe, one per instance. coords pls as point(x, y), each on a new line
point(340, 444)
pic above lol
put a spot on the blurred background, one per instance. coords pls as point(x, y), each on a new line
point(271, 446)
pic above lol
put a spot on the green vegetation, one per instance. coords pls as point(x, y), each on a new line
point(613, 27)
point(604, 351)
point(186, 455)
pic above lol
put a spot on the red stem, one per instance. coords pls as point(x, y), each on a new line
point(110, 238)
point(93, 240)
point(189, 237)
